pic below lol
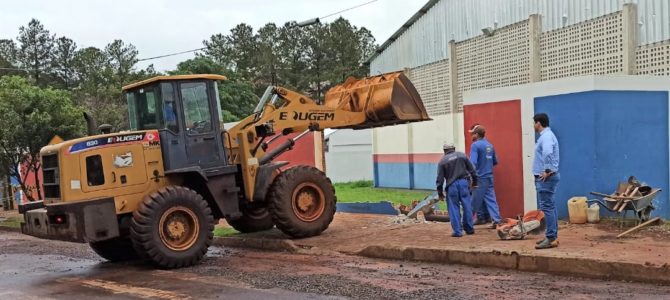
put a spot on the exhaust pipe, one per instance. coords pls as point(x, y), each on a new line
point(91, 126)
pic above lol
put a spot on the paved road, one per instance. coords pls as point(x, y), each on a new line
point(37, 269)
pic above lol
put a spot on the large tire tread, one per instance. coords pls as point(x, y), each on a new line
point(252, 221)
point(144, 227)
point(280, 201)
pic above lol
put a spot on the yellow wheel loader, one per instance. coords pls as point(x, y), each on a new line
point(156, 191)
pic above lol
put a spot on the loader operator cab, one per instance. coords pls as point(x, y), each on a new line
point(186, 111)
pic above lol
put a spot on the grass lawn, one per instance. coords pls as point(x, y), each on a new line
point(224, 231)
point(11, 222)
point(363, 191)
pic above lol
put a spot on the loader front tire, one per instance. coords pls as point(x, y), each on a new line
point(302, 201)
point(254, 218)
point(172, 227)
point(115, 250)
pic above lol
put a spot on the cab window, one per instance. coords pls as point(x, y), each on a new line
point(197, 112)
point(169, 107)
point(142, 108)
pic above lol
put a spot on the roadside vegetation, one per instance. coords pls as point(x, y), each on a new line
point(363, 191)
point(11, 222)
point(224, 231)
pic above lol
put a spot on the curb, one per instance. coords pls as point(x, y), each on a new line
point(570, 266)
point(10, 229)
point(256, 243)
point(567, 266)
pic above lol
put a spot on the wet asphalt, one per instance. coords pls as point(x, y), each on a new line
point(38, 269)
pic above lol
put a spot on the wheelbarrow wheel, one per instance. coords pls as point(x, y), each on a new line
point(645, 214)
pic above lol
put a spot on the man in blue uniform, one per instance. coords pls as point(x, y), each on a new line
point(545, 169)
point(483, 157)
point(457, 172)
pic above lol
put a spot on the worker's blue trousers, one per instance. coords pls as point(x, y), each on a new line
point(484, 200)
point(546, 202)
point(458, 194)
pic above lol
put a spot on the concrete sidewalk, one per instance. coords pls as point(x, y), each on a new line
point(585, 250)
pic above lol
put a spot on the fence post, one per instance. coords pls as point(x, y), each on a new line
point(453, 90)
point(534, 36)
point(630, 38)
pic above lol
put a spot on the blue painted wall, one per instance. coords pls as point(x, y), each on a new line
point(392, 175)
point(405, 175)
point(606, 136)
point(425, 175)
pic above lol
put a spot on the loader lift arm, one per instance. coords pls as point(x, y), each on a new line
point(377, 101)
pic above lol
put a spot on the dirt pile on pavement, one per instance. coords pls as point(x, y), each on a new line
point(404, 219)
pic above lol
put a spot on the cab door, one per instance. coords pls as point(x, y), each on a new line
point(201, 124)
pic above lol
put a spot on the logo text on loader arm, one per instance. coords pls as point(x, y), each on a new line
point(308, 116)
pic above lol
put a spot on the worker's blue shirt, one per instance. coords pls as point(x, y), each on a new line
point(546, 152)
point(483, 157)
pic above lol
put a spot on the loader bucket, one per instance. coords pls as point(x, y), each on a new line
point(386, 99)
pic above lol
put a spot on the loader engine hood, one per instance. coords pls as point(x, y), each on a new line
point(65, 165)
point(101, 141)
point(108, 140)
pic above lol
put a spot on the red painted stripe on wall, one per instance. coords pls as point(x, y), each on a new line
point(408, 158)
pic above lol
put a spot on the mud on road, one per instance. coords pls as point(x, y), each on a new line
point(38, 269)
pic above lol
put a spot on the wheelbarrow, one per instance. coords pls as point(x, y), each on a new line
point(641, 206)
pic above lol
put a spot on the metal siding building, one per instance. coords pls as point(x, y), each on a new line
point(424, 38)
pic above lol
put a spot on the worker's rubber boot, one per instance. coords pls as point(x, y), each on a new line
point(546, 244)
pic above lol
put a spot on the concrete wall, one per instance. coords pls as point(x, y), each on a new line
point(605, 136)
point(349, 155)
point(406, 156)
point(609, 127)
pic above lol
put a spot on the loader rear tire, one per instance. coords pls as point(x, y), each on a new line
point(115, 250)
point(254, 218)
point(302, 201)
point(172, 227)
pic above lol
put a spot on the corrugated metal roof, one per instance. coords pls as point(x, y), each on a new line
point(424, 37)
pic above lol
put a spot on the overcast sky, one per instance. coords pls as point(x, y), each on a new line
point(159, 27)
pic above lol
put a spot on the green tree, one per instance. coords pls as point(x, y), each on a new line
point(218, 48)
point(267, 56)
point(368, 46)
point(318, 58)
point(101, 76)
point(121, 59)
point(292, 55)
point(347, 47)
point(307, 59)
point(31, 117)
point(8, 57)
point(244, 43)
point(62, 62)
point(35, 50)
